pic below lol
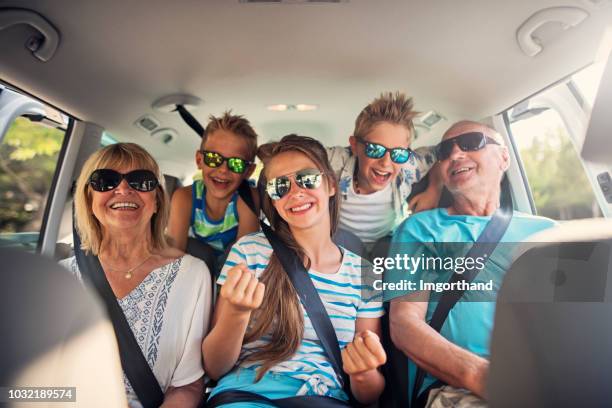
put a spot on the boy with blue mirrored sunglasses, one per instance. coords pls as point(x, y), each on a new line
point(377, 171)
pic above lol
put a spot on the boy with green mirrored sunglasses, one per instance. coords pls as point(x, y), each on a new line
point(211, 210)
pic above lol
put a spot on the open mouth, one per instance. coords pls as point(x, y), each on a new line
point(380, 177)
point(460, 170)
point(219, 182)
point(301, 209)
point(125, 206)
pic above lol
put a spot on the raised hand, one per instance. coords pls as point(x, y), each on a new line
point(365, 353)
point(242, 289)
point(424, 201)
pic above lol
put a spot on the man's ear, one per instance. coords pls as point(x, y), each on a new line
point(505, 156)
point(353, 143)
point(198, 159)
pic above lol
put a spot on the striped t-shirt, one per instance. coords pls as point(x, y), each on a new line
point(341, 294)
point(218, 234)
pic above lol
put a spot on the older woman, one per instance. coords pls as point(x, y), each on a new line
point(121, 215)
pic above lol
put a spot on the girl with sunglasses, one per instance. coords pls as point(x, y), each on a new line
point(262, 340)
point(210, 210)
point(121, 212)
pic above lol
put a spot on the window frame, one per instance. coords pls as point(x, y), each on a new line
point(575, 116)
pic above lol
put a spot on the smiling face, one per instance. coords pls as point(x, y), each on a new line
point(477, 172)
point(301, 208)
point(124, 208)
point(376, 174)
point(220, 182)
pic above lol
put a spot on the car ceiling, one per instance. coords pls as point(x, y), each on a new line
point(459, 58)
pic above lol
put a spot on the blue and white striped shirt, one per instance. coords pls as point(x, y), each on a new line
point(341, 294)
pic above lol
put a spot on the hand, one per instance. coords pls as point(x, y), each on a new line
point(426, 200)
point(242, 289)
point(365, 353)
point(477, 381)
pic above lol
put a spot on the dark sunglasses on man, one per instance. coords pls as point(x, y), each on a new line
point(234, 164)
point(279, 186)
point(103, 180)
point(467, 142)
point(399, 155)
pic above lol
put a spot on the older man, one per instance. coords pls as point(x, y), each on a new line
point(473, 159)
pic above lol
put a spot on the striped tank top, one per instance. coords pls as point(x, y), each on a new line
point(219, 234)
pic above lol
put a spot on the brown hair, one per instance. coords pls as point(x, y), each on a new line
point(115, 156)
point(280, 312)
point(236, 124)
point(396, 109)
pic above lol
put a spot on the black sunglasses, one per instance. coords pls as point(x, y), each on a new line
point(235, 164)
point(279, 186)
point(467, 142)
point(102, 180)
point(399, 155)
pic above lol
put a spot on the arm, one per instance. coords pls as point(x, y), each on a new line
point(361, 360)
point(186, 388)
point(180, 215)
point(240, 295)
point(189, 395)
point(429, 198)
point(247, 221)
point(430, 350)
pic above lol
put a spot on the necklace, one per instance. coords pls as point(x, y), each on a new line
point(129, 273)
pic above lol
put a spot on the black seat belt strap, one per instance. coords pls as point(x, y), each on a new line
point(312, 303)
point(134, 364)
point(244, 191)
point(190, 120)
point(483, 247)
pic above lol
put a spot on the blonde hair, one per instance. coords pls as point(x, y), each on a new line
point(280, 313)
point(115, 156)
point(236, 124)
point(387, 108)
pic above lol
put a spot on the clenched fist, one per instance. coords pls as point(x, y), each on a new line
point(242, 289)
point(363, 354)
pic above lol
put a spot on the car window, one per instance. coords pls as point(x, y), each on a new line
point(29, 156)
point(540, 128)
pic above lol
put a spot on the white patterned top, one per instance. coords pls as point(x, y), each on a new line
point(169, 313)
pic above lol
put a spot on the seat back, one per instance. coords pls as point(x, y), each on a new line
point(171, 183)
point(552, 322)
point(204, 252)
point(59, 334)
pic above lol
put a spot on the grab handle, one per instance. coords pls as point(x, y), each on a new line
point(567, 16)
point(43, 45)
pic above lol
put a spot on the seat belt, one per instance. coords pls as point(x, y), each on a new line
point(304, 401)
point(311, 300)
point(134, 364)
point(483, 247)
point(190, 120)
